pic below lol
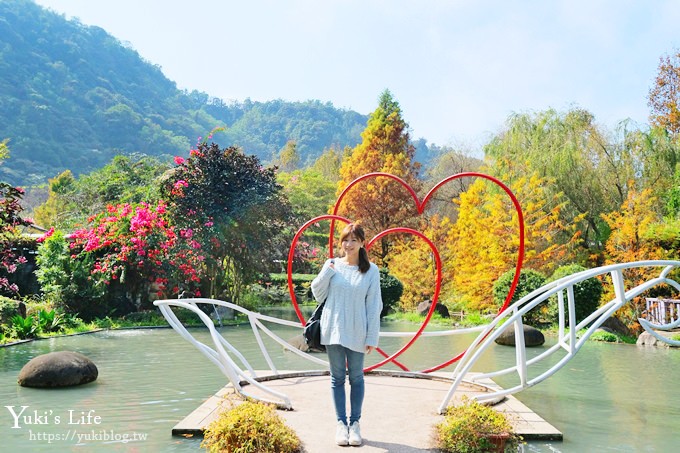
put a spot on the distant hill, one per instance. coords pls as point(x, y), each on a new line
point(73, 96)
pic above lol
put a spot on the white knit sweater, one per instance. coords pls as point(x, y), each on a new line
point(351, 316)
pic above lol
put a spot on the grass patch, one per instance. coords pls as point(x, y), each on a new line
point(415, 318)
point(600, 335)
point(471, 319)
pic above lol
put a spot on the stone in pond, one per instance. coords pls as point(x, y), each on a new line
point(532, 336)
point(58, 369)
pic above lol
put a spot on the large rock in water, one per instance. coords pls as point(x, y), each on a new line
point(424, 307)
point(532, 336)
point(58, 369)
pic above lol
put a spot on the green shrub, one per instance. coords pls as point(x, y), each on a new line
point(471, 428)
point(587, 295)
point(391, 290)
point(250, 427)
point(68, 283)
point(603, 335)
point(529, 280)
point(24, 327)
point(49, 321)
point(8, 309)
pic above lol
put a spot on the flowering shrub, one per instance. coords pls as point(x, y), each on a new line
point(230, 207)
point(135, 245)
point(128, 251)
point(10, 221)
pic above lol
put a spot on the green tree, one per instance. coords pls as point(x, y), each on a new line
point(126, 179)
point(288, 159)
point(309, 192)
point(94, 97)
point(385, 147)
point(233, 208)
point(559, 146)
point(655, 157)
point(56, 211)
point(328, 164)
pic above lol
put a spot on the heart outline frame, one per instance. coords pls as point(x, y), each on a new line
point(420, 206)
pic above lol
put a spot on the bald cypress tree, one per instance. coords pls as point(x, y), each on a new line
point(381, 203)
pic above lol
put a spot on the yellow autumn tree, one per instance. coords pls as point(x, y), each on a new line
point(412, 261)
point(484, 242)
point(627, 243)
point(381, 203)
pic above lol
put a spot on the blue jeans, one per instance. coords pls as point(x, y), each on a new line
point(345, 361)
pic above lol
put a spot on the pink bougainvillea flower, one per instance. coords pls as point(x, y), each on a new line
point(49, 233)
point(179, 160)
point(181, 183)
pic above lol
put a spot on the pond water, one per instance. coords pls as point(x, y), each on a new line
point(609, 398)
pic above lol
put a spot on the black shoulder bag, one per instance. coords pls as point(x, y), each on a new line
point(312, 330)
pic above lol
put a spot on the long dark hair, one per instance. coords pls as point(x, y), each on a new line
point(358, 232)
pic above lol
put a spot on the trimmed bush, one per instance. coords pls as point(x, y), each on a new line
point(391, 290)
point(587, 295)
point(529, 280)
point(250, 427)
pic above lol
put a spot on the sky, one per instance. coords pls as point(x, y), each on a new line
point(458, 68)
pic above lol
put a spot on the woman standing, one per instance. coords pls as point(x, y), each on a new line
point(350, 325)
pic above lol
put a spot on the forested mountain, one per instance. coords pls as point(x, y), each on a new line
point(73, 96)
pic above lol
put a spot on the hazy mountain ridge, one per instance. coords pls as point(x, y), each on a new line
point(73, 96)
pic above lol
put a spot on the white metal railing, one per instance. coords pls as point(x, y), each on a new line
point(227, 357)
point(233, 364)
point(662, 311)
point(237, 369)
point(568, 343)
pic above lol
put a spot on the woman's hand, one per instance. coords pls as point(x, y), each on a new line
point(369, 349)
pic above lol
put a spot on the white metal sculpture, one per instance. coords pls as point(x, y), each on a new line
point(568, 342)
point(529, 371)
point(225, 355)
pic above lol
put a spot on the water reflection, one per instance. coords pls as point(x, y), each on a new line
point(610, 397)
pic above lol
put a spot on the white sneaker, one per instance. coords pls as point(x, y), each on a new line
point(354, 434)
point(341, 434)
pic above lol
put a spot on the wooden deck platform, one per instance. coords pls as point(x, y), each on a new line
point(399, 413)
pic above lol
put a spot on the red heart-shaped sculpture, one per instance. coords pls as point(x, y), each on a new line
point(435, 298)
point(420, 205)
